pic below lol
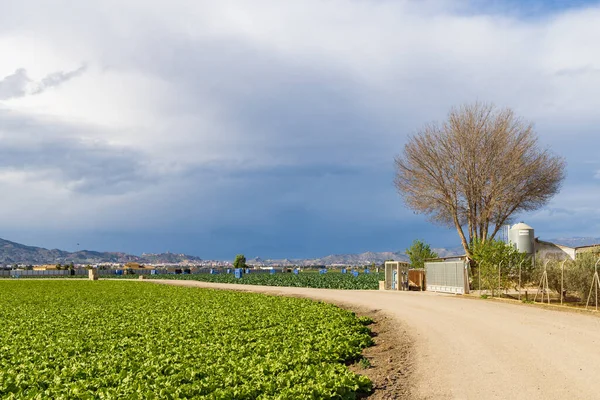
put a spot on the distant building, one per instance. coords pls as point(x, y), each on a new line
point(553, 250)
point(133, 265)
point(46, 267)
point(592, 248)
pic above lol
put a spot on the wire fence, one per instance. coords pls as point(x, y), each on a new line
point(18, 273)
point(107, 272)
point(547, 280)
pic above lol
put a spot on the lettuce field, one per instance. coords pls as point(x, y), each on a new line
point(311, 280)
point(135, 340)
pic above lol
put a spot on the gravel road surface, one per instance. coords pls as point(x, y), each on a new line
point(476, 349)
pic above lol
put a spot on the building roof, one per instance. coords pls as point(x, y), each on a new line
point(554, 244)
point(521, 225)
point(588, 246)
point(568, 247)
point(449, 258)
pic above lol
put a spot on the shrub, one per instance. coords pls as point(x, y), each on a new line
point(495, 259)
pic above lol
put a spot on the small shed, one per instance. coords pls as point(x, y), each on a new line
point(416, 279)
point(396, 275)
point(448, 275)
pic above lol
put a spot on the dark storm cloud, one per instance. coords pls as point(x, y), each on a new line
point(55, 151)
point(310, 102)
point(320, 121)
point(305, 114)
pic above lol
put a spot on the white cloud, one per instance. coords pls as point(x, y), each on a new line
point(179, 86)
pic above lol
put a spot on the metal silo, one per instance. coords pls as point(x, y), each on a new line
point(522, 237)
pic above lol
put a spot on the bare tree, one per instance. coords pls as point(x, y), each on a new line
point(476, 170)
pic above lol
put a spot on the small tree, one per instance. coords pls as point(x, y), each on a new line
point(240, 261)
point(498, 263)
point(418, 252)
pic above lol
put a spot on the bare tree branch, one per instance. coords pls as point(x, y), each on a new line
point(476, 170)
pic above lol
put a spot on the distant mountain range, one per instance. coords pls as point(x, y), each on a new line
point(575, 241)
point(15, 253)
point(351, 259)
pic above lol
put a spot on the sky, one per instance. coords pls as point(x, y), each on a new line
point(269, 128)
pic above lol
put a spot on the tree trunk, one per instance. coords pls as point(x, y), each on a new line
point(462, 236)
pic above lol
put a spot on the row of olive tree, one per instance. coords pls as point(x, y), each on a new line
point(574, 277)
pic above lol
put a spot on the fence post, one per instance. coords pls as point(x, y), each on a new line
point(562, 280)
point(500, 279)
point(507, 278)
point(520, 265)
point(479, 276)
point(543, 287)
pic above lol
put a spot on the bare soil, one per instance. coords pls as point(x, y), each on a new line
point(389, 359)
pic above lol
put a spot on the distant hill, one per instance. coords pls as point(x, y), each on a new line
point(352, 259)
point(15, 253)
point(168, 258)
point(575, 241)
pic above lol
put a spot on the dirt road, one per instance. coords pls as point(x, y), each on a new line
point(475, 349)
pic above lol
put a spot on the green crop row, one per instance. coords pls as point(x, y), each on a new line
point(114, 340)
point(310, 280)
